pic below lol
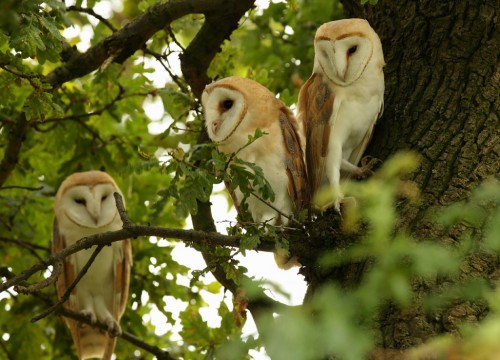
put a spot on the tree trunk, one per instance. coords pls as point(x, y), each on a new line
point(442, 97)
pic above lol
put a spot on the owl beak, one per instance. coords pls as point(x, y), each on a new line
point(94, 215)
point(96, 220)
point(215, 126)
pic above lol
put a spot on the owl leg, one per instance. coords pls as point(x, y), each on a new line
point(87, 306)
point(370, 163)
point(334, 165)
point(90, 314)
point(104, 314)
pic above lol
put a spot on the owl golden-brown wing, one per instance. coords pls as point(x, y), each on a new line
point(121, 286)
point(122, 278)
point(294, 162)
point(315, 110)
point(65, 279)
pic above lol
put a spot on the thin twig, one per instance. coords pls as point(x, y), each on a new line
point(99, 111)
point(127, 223)
point(94, 14)
point(5, 350)
point(25, 244)
point(174, 39)
point(21, 187)
point(31, 288)
point(70, 288)
point(175, 78)
point(24, 76)
point(159, 353)
point(291, 218)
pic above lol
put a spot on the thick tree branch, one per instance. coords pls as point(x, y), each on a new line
point(16, 135)
point(132, 231)
point(122, 44)
point(132, 37)
point(218, 26)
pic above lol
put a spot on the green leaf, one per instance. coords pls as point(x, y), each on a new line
point(176, 103)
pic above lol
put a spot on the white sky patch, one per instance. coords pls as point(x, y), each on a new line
point(289, 30)
point(71, 32)
point(153, 107)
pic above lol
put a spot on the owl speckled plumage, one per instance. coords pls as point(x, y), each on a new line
point(84, 206)
point(341, 101)
point(234, 108)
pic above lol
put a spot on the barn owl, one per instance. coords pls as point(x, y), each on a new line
point(84, 206)
point(341, 101)
point(235, 108)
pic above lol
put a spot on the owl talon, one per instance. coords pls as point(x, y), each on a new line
point(338, 204)
point(89, 314)
point(370, 162)
point(114, 328)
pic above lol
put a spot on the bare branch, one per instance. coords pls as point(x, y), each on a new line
point(21, 187)
point(28, 289)
point(5, 350)
point(94, 14)
point(132, 37)
point(290, 218)
point(21, 75)
point(127, 223)
point(99, 111)
point(17, 134)
point(175, 78)
point(25, 244)
point(131, 231)
point(159, 353)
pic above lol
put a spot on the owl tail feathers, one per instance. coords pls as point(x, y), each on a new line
point(284, 261)
point(95, 344)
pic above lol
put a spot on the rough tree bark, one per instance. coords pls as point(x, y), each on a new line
point(442, 98)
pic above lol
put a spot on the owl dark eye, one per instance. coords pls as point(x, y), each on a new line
point(352, 50)
point(81, 201)
point(227, 104)
point(104, 197)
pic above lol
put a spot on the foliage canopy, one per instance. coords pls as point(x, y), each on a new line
point(102, 120)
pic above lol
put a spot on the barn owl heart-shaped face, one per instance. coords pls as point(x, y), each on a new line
point(225, 109)
point(344, 59)
point(90, 207)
